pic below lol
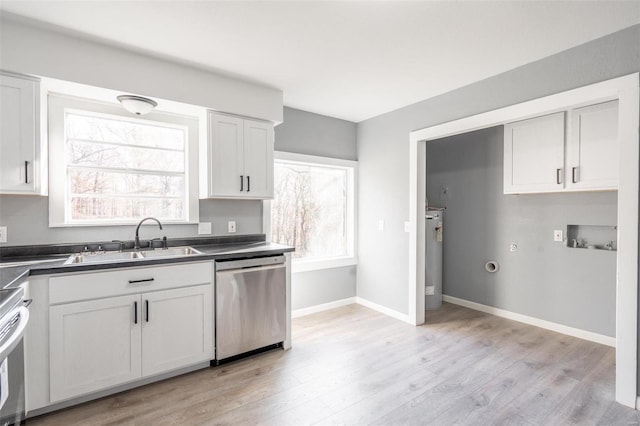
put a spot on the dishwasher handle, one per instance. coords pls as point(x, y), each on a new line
point(256, 262)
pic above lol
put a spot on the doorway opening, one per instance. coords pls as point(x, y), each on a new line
point(626, 91)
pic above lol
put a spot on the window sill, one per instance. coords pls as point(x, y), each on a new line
point(106, 225)
point(316, 265)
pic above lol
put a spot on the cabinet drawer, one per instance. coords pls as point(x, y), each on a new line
point(93, 285)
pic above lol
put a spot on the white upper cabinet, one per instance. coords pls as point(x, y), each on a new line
point(258, 159)
point(19, 135)
point(541, 155)
point(226, 143)
point(534, 155)
point(240, 163)
point(592, 152)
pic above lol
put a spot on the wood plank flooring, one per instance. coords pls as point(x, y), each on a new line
point(353, 366)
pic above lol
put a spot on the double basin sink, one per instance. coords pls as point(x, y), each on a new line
point(115, 256)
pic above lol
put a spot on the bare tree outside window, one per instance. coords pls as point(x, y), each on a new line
point(309, 210)
point(123, 169)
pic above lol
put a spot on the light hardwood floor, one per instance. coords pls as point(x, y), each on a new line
point(352, 365)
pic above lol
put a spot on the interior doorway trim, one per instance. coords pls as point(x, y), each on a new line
point(626, 90)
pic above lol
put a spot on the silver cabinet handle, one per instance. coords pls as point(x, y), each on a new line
point(574, 179)
point(146, 305)
point(558, 176)
point(241, 183)
point(248, 183)
point(26, 172)
point(135, 312)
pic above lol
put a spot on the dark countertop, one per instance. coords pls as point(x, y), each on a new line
point(19, 268)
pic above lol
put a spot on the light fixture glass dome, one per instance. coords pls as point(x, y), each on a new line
point(137, 104)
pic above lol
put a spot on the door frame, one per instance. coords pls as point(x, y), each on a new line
point(626, 90)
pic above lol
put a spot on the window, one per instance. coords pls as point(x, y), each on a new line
point(313, 209)
point(108, 167)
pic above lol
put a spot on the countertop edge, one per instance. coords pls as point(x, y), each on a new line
point(49, 269)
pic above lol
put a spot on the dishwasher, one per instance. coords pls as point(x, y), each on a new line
point(250, 305)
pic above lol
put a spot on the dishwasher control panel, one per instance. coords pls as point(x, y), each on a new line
point(222, 265)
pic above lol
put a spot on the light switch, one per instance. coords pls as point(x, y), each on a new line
point(381, 225)
point(231, 225)
point(407, 227)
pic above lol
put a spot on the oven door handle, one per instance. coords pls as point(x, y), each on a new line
point(14, 336)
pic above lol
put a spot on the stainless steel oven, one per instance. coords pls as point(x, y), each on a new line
point(250, 305)
point(14, 316)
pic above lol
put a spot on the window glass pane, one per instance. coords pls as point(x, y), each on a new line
point(119, 208)
point(309, 210)
point(98, 182)
point(121, 169)
point(125, 157)
point(98, 128)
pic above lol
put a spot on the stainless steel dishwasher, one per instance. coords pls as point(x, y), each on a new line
point(250, 304)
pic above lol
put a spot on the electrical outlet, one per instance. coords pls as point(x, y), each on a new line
point(445, 193)
point(3, 234)
point(231, 225)
point(557, 235)
point(513, 246)
point(204, 228)
point(430, 290)
point(381, 225)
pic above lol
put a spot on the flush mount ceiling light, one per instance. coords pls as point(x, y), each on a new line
point(137, 104)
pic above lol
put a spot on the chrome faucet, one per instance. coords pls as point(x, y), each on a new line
point(137, 240)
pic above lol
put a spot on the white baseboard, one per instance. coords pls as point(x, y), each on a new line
point(559, 328)
point(383, 309)
point(323, 307)
point(349, 301)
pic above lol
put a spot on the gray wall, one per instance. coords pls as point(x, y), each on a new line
point(543, 279)
point(383, 149)
point(27, 219)
point(30, 47)
point(323, 286)
point(313, 134)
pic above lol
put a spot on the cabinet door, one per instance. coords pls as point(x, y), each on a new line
point(18, 134)
point(94, 345)
point(226, 167)
point(593, 147)
point(534, 155)
point(258, 159)
point(177, 328)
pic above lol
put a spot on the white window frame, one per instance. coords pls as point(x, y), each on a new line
point(58, 105)
point(303, 265)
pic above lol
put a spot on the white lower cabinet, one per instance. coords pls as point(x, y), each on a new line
point(93, 345)
point(176, 328)
point(109, 341)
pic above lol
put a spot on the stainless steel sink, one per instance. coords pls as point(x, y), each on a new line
point(102, 257)
point(170, 252)
point(131, 255)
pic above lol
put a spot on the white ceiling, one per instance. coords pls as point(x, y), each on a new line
point(351, 60)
